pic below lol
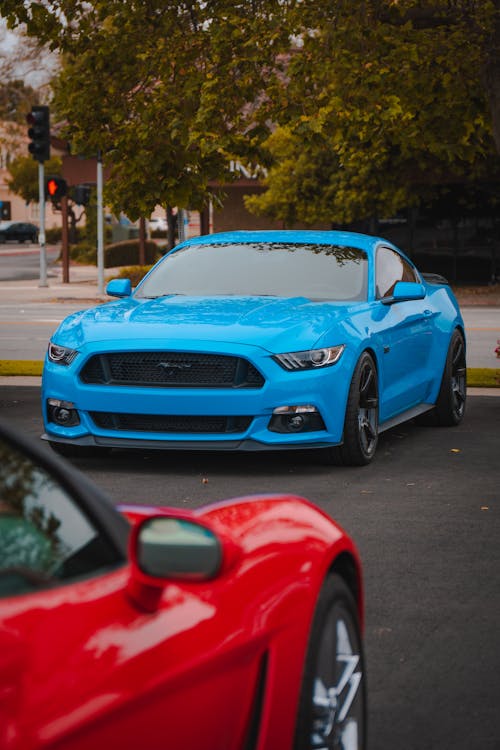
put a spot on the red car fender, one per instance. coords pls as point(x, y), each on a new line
point(286, 546)
point(295, 544)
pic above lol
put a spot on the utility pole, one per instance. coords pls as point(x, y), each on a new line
point(65, 240)
point(41, 233)
point(100, 227)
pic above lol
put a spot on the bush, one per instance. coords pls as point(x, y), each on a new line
point(127, 253)
point(53, 235)
point(84, 252)
point(134, 273)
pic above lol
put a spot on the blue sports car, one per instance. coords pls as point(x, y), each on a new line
point(259, 341)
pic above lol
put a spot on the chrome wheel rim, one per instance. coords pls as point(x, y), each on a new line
point(458, 377)
point(338, 711)
point(368, 409)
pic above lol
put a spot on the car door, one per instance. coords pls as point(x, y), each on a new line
point(404, 336)
point(80, 664)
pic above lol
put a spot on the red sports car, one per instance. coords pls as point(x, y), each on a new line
point(232, 627)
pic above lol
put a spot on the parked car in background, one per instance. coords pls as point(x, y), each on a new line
point(237, 625)
point(157, 224)
point(260, 341)
point(18, 231)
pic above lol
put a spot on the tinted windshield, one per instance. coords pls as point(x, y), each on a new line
point(318, 272)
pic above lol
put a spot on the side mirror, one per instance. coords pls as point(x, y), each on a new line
point(177, 548)
point(405, 291)
point(166, 548)
point(119, 288)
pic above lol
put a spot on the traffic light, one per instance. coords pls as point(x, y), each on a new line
point(39, 133)
point(81, 195)
point(55, 188)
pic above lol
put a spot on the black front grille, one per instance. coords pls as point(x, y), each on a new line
point(171, 370)
point(170, 423)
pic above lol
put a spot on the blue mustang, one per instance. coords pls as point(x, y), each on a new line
point(258, 341)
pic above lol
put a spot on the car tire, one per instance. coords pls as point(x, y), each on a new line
point(2, 238)
point(332, 706)
point(68, 450)
point(450, 405)
point(361, 418)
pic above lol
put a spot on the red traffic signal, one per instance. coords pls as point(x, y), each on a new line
point(56, 187)
point(39, 133)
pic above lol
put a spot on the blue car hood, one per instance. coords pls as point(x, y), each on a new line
point(274, 324)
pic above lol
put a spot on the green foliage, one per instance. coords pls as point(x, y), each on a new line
point(84, 252)
point(134, 273)
point(127, 253)
point(24, 176)
point(53, 235)
point(16, 100)
point(166, 92)
point(381, 102)
point(378, 101)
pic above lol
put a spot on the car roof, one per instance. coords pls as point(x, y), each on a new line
point(308, 236)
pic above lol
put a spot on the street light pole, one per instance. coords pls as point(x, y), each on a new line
point(41, 234)
point(100, 227)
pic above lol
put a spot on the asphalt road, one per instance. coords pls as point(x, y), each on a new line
point(425, 516)
point(21, 262)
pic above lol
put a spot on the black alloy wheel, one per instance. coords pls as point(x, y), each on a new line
point(332, 708)
point(450, 405)
point(361, 417)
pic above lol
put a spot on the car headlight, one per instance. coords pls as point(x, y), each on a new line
point(310, 359)
point(61, 355)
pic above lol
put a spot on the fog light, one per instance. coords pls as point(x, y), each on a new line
point(62, 413)
point(299, 418)
point(296, 422)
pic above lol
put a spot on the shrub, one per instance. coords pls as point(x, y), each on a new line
point(134, 273)
point(84, 252)
point(127, 253)
point(53, 235)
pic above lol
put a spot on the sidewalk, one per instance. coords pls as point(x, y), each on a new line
point(82, 286)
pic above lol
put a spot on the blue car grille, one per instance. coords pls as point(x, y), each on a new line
point(170, 423)
point(171, 370)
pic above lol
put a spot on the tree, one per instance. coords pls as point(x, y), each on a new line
point(382, 100)
point(164, 91)
point(26, 67)
point(24, 176)
point(16, 100)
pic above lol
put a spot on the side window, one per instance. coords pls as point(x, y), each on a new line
point(390, 267)
point(44, 536)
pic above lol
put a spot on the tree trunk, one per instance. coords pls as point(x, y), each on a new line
point(142, 241)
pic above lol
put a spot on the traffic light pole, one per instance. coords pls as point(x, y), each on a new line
point(100, 227)
point(41, 234)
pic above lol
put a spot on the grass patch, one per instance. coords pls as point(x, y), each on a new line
point(20, 367)
point(483, 377)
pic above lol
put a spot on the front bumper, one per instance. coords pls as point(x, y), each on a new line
point(97, 405)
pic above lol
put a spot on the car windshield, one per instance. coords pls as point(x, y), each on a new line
point(278, 269)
